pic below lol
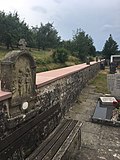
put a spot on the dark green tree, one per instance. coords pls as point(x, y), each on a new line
point(9, 24)
point(83, 45)
point(60, 55)
point(34, 31)
point(12, 30)
point(110, 47)
point(47, 37)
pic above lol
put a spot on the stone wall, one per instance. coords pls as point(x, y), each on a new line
point(64, 91)
point(21, 134)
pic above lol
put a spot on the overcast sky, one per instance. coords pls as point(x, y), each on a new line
point(98, 18)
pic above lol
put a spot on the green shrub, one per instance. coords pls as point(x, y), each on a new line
point(74, 59)
point(91, 58)
point(60, 55)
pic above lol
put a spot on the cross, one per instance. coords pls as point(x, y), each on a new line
point(22, 44)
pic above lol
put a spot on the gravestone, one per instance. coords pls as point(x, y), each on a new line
point(18, 75)
point(96, 58)
point(102, 65)
point(112, 68)
point(113, 82)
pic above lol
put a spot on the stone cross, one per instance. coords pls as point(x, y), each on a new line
point(22, 44)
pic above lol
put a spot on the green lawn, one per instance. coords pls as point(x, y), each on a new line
point(100, 82)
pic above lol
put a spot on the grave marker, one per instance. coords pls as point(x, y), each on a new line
point(113, 81)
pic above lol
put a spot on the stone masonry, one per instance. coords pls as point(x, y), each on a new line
point(29, 110)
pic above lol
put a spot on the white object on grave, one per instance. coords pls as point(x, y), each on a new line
point(107, 100)
point(25, 105)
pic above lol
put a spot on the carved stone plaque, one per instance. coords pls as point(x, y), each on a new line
point(18, 77)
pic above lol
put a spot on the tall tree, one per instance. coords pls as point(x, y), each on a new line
point(47, 36)
point(12, 30)
point(110, 47)
point(67, 44)
point(34, 31)
point(83, 44)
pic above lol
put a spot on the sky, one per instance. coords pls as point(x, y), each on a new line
point(98, 18)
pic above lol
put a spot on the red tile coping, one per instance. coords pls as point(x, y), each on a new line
point(50, 76)
point(5, 95)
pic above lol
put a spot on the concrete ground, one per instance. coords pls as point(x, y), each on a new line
point(99, 142)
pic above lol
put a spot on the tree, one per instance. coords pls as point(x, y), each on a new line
point(110, 47)
point(60, 55)
point(12, 30)
point(34, 31)
point(47, 36)
point(83, 45)
point(9, 28)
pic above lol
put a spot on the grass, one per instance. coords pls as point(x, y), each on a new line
point(100, 82)
point(3, 52)
point(44, 60)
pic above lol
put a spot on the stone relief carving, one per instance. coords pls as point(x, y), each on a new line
point(20, 82)
point(28, 80)
point(18, 77)
point(13, 87)
point(24, 81)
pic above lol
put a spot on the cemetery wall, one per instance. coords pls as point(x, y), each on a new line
point(21, 134)
point(64, 91)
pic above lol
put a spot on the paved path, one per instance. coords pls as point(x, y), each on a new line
point(99, 142)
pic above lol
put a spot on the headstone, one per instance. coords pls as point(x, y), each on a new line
point(18, 74)
point(112, 68)
point(113, 82)
point(102, 65)
point(96, 58)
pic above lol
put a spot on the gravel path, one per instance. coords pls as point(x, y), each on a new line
point(99, 142)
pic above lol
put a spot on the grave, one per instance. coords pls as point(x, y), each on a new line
point(107, 110)
point(104, 112)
